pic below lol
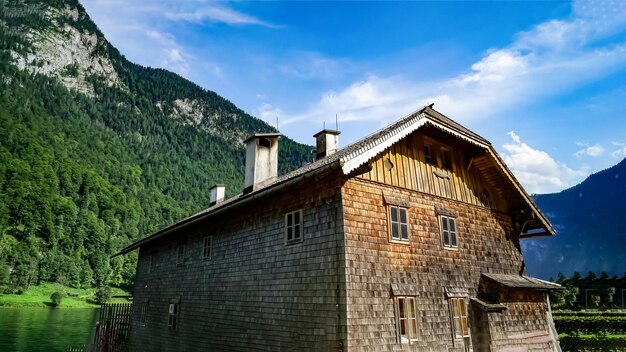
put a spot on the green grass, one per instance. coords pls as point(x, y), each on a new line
point(39, 296)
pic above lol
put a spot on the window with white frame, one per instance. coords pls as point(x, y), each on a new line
point(293, 226)
point(406, 319)
point(172, 321)
point(448, 231)
point(180, 256)
point(207, 244)
point(459, 317)
point(399, 222)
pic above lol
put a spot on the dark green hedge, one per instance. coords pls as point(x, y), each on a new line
point(592, 343)
point(570, 313)
point(594, 325)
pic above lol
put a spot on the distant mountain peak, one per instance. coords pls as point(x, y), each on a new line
point(98, 151)
point(590, 228)
point(60, 48)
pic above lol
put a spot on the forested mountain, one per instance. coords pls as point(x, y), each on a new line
point(590, 229)
point(96, 151)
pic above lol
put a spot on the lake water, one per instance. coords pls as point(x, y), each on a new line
point(45, 329)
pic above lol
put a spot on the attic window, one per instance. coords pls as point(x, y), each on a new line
point(264, 142)
point(446, 159)
point(428, 154)
point(484, 198)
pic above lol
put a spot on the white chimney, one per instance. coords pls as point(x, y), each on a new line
point(327, 142)
point(261, 160)
point(217, 194)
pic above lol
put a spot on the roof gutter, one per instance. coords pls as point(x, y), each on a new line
point(242, 200)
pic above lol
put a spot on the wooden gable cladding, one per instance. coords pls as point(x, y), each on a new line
point(404, 165)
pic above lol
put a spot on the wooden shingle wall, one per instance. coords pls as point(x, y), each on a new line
point(523, 324)
point(256, 293)
point(486, 243)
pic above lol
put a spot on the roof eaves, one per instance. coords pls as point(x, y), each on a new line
point(355, 155)
point(446, 121)
point(541, 217)
point(369, 147)
point(238, 200)
point(522, 281)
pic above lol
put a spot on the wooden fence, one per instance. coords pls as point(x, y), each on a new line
point(113, 328)
point(78, 348)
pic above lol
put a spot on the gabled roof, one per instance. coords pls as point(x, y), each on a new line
point(358, 154)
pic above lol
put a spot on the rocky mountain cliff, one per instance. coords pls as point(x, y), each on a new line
point(590, 231)
point(97, 151)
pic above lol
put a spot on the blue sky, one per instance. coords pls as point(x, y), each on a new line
point(545, 82)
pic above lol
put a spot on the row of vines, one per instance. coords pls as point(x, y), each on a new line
point(591, 331)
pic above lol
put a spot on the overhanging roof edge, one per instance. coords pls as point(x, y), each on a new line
point(223, 207)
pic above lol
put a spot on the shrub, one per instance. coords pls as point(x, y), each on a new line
point(590, 324)
point(593, 343)
point(56, 298)
point(569, 313)
point(103, 294)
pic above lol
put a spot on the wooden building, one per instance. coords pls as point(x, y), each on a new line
point(407, 240)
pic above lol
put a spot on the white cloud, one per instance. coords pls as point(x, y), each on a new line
point(551, 58)
point(495, 67)
point(589, 150)
point(312, 65)
point(218, 14)
point(161, 37)
point(269, 114)
point(620, 152)
point(537, 170)
point(217, 70)
point(175, 56)
point(373, 99)
point(173, 59)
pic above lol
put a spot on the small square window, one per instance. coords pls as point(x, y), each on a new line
point(172, 321)
point(448, 232)
point(399, 221)
point(293, 226)
point(207, 244)
point(459, 318)
point(406, 320)
point(180, 256)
